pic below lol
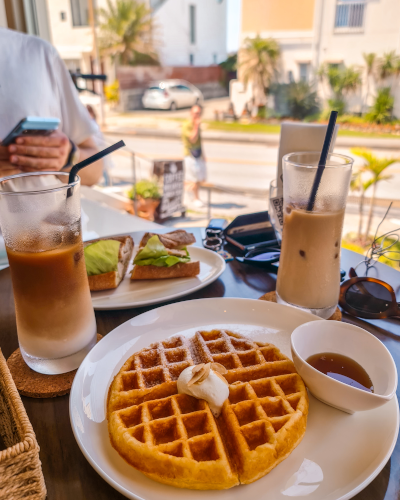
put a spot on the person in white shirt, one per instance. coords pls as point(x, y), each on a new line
point(35, 82)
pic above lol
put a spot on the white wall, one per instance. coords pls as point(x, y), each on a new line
point(295, 47)
point(381, 34)
point(72, 42)
point(172, 32)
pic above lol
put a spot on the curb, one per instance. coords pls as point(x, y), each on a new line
point(246, 138)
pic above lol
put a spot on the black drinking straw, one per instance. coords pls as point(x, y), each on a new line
point(101, 154)
point(322, 159)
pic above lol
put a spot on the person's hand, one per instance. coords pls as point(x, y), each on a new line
point(197, 121)
point(6, 168)
point(40, 152)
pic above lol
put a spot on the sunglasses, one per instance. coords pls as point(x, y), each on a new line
point(368, 298)
point(214, 239)
point(261, 257)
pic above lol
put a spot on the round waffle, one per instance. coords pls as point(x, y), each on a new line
point(174, 438)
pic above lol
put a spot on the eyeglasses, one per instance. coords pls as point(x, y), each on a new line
point(368, 298)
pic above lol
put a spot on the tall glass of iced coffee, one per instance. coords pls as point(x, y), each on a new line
point(40, 218)
point(309, 267)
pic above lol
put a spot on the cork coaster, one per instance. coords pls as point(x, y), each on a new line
point(36, 385)
point(271, 297)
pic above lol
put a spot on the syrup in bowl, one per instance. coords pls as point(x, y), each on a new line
point(341, 368)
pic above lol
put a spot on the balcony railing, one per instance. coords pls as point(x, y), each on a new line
point(349, 16)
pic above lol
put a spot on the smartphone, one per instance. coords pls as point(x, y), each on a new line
point(32, 125)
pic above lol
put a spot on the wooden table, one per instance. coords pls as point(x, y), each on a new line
point(69, 476)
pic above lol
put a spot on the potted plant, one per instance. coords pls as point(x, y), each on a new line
point(148, 198)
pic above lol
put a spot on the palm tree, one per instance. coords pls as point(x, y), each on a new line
point(370, 61)
point(375, 167)
point(396, 69)
point(343, 81)
point(126, 31)
point(387, 63)
point(259, 65)
point(358, 184)
point(321, 75)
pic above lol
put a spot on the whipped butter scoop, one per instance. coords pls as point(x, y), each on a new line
point(205, 382)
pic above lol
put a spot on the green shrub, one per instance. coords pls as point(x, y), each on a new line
point(230, 64)
point(302, 100)
point(352, 120)
point(312, 118)
point(381, 110)
point(262, 112)
point(145, 189)
point(338, 105)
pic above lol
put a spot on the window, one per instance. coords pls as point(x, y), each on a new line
point(63, 16)
point(192, 23)
point(349, 14)
point(183, 88)
point(303, 70)
point(290, 76)
point(80, 14)
point(191, 59)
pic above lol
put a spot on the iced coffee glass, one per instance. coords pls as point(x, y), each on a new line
point(309, 267)
point(40, 218)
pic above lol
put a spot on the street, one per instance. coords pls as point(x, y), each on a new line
point(229, 165)
point(244, 171)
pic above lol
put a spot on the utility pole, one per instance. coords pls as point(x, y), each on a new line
point(97, 64)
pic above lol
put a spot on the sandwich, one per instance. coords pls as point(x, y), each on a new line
point(107, 261)
point(162, 256)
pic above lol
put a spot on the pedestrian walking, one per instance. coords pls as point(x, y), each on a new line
point(195, 163)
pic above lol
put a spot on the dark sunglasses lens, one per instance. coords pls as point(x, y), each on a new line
point(367, 296)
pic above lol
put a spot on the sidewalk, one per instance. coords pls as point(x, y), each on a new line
point(172, 131)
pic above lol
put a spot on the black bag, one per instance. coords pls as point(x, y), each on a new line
point(196, 153)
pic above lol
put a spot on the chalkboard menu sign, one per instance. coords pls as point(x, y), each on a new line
point(172, 174)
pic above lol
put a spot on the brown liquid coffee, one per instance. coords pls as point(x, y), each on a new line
point(52, 301)
point(309, 268)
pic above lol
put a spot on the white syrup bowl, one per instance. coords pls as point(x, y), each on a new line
point(351, 341)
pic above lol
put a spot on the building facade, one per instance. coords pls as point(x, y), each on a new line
point(347, 29)
point(291, 24)
point(336, 32)
point(187, 32)
point(190, 32)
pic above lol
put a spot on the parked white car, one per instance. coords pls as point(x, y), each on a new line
point(171, 94)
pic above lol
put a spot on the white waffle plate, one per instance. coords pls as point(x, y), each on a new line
point(339, 455)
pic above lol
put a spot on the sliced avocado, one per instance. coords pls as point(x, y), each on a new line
point(101, 257)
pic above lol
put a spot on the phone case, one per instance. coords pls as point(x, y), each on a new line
point(251, 231)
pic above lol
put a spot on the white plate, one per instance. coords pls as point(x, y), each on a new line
point(139, 293)
point(339, 455)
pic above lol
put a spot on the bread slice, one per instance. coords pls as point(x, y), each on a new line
point(175, 239)
point(180, 270)
point(110, 280)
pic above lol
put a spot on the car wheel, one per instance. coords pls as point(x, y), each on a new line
point(172, 106)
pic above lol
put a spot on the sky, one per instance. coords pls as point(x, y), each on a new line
point(233, 22)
